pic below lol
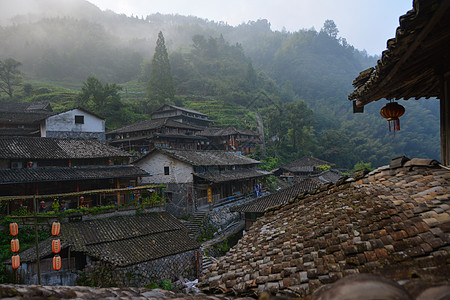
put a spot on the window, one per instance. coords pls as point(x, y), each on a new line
point(166, 170)
point(79, 119)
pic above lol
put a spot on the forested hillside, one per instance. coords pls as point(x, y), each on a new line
point(297, 82)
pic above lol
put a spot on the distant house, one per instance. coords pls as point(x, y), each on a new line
point(74, 123)
point(32, 166)
point(256, 208)
point(232, 139)
point(182, 115)
point(143, 136)
point(302, 168)
point(132, 250)
point(23, 119)
point(190, 174)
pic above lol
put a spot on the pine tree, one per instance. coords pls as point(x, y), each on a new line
point(160, 87)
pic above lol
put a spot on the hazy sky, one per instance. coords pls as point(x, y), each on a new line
point(366, 24)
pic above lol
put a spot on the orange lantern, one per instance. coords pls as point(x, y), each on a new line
point(15, 245)
point(15, 259)
point(392, 111)
point(56, 246)
point(57, 262)
point(56, 227)
point(13, 229)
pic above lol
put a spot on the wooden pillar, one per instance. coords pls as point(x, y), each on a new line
point(445, 120)
point(118, 193)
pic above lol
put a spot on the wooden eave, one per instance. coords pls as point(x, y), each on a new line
point(416, 59)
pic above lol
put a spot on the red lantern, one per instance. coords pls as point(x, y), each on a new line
point(56, 227)
point(57, 262)
point(15, 259)
point(56, 246)
point(392, 111)
point(13, 229)
point(15, 245)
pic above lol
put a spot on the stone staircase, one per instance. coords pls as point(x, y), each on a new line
point(207, 262)
point(196, 222)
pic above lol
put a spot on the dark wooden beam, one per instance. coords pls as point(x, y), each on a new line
point(445, 120)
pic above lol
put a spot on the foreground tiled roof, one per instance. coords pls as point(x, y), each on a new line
point(232, 175)
point(393, 222)
point(124, 240)
point(304, 164)
point(30, 175)
point(206, 157)
point(51, 148)
point(280, 197)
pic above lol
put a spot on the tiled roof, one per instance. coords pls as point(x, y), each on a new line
point(153, 124)
point(206, 157)
point(214, 131)
point(29, 175)
point(23, 118)
point(280, 197)
point(328, 176)
point(304, 164)
point(125, 240)
point(232, 175)
point(407, 69)
point(25, 107)
point(51, 148)
point(178, 108)
point(392, 222)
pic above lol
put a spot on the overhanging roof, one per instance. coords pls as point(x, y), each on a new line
point(31, 175)
point(232, 175)
point(415, 60)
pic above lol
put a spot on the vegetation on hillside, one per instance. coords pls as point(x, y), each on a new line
point(297, 82)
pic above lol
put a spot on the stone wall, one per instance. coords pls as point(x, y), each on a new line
point(143, 274)
point(76, 135)
point(180, 205)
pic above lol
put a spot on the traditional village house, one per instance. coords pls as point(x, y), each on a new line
point(189, 175)
point(255, 209)
point(23, 119)
point(307, 166)
point(182, 115)
point(74, 123)
point(415, 65)
point(32, 166)
point(128, 250)
point(143, 136)
point(242, 141)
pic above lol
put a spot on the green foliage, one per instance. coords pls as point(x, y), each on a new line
point(323, 167)
point(152, 286)
point(10, 76)
point(160, 85)
point(166, 285)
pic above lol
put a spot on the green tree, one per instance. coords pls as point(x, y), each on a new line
point(10, 75)
point(160, 87)
point(330, 28)
point(102, 98)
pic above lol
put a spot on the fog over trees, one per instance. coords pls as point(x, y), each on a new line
point(305, 77)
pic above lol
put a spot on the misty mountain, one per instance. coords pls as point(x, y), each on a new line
point(73, 39)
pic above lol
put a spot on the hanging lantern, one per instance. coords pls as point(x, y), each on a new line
point(15, 245)
point(56, 246)
point(392, 111)
point(13, 229)
point(15, 259)
point(57, 262)
point(56, 227)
